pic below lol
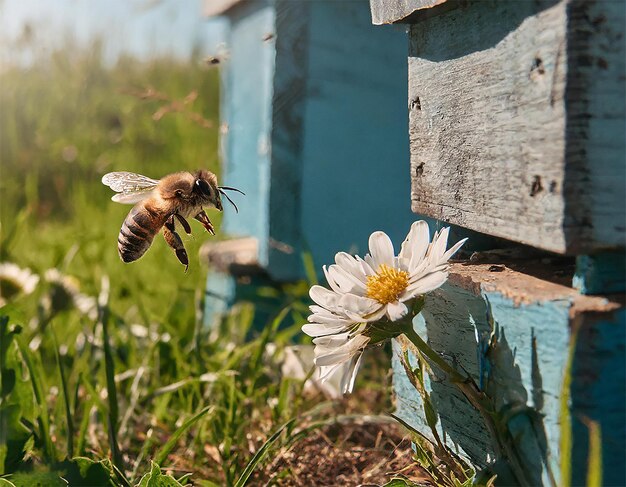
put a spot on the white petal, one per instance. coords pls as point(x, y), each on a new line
point(396, 310)
point(438, 245)
point(322, 329)
point(381, 249)
point(332, 358)
point(366, 266)
point(331, 282)
point(425, 284)
point(315, 309)
point(349, 374)
point(351, 265)
point(333, 350)
point(370, 263)
point(332, 342)
point(324, 297)
point(415, 245)
point(328, 319)
point(358, 308)
point(453, 250)
point(346, 282)
point(326, 371)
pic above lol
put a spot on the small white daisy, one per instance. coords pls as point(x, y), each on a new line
point(14, 280)
point(65, 290)
point(364, 292)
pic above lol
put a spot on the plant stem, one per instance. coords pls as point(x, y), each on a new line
point(434, 357)
point(502, 442)
point(109, 367)
point(66, 396)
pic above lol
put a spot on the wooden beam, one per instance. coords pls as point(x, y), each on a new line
point(516, 122)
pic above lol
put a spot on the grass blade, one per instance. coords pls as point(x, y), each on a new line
point(66, 397)
point(169, 444)
point(594, 461)
point(258, 456)
point(35, 370)
point(565, 416)
point(109, 367)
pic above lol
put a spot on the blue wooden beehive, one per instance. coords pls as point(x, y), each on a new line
point(517, 123)
point(313, 111)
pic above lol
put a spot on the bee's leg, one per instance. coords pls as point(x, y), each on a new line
point(173, 240)
point(184, 223)
point(204, 219)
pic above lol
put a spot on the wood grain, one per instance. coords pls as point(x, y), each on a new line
point(398, 11)
point(508, 102)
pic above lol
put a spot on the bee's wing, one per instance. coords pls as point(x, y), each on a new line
point(132, 187)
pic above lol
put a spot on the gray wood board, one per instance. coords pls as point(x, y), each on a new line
point(398, 11)
point(505, 112)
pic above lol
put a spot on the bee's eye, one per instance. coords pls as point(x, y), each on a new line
point(204, 187)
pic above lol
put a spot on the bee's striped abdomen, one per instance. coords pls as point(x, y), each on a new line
point(137, 233)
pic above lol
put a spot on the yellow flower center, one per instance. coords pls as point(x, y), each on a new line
point(387, 284)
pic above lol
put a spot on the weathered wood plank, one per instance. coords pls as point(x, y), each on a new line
point(219, 7)
point(533, 318)
point(396, 11)
point(515, 109)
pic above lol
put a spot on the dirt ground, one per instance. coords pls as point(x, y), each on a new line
point(356, 453)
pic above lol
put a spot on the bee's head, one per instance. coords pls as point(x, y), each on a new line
point(207, 182)
point(206, 190)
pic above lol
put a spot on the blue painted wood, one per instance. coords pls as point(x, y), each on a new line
point(355, 143)
point(314, 130)
point(525, 370)
point(247, 74)
point(602, 273)
point(599, 393)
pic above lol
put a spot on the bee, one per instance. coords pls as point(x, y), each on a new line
point(160, 204)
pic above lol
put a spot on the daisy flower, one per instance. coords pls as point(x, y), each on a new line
point(368, 295)
point(15, 280)
point(65, 292)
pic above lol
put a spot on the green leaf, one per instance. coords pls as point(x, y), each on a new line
point(155, 478)
point(6, 483)
point(16, 402)
point(205, 483)
point(258, 456)
point(400, 480)
point(565, 416)
point(13, 437)
point(165, 450)
point(84, 472)
point(594, 465)
point(38, 479)
point(37, 375)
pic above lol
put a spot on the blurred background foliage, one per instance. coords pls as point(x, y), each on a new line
point(69, 118)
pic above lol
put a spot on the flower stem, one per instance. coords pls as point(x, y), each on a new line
point(433, 356)
point(503, 444)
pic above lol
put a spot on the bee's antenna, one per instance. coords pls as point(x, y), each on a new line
point(229, 200)
point(231, 189)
